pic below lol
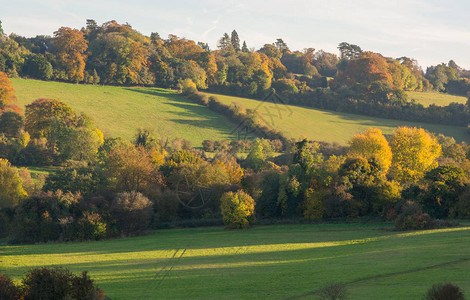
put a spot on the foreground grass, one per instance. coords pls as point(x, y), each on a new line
point(119, 111)
point(440, 99)
point(290, 261)
point(330, 126)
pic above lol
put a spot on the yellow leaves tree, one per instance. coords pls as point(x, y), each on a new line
point(11, 187)
point(414, 153)
point(372, 145)
point(71, 46)
point(238, 209)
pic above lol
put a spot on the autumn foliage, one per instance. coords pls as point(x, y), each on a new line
point(71, 46)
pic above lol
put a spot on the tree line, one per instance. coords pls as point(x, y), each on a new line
point(117, 54)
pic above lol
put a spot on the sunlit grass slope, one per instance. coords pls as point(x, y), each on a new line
point(440, 99)
point(119, 111)
point(266, 262)
point(330, 126)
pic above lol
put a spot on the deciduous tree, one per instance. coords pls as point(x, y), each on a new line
point(414, 153)
point(71, 46)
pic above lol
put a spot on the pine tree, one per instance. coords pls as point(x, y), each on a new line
point(224, 42)
point(96, 77)
point(245, 47)
point(235, 40)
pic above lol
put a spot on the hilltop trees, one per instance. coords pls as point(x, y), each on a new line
point(71, 46)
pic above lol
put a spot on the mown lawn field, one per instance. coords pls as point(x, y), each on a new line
point(265, 262)
point(330, 126)
point(440, 99)
point(119, 111)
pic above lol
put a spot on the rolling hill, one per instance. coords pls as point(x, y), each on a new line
point(119, 111)
point(330, 126)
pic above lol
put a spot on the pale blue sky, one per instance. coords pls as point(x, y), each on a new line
point(432, 31)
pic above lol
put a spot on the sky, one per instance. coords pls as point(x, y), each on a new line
point(431, 31)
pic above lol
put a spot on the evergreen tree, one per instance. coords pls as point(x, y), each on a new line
point(224, 42)
point(235, 40)
point(96, 77)
point(281, 45)
point(245, 47)
point(154, 36)
point(204, 46)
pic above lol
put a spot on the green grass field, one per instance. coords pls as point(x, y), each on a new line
point(330, 126)
point(265, 262)
point(440, 99)
point(119, 111)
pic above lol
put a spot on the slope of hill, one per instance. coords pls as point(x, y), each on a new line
point(119, 111)
point(330, 126)
point(440, 99)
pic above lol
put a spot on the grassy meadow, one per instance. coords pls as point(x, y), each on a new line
point(265, 262)
point(119, 111)
point(330, 126)
point(439, 99)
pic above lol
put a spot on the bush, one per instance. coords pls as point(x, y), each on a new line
point(8, 290)
point(42, 217)
point(446, 291)
point(90, 227)
point(238, 209)
point(59, 283)
point(132, 212)
point(188, 87)
point(413, 218)
point(208, 145)
point(336, 291)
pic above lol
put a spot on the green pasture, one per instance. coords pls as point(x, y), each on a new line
point(440, 99)
point(119, 111)
point(265, 262)
point(330, 126)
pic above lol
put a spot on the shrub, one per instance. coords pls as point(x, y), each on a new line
point(188, 87)
point(90, 227)
point(132, 211)
point(446, 291)
point(167, 206)
point(222, 145)
point(40, 218)
point(59, 283)
point(413, 218)
point(336, 291)
point(208, 145)
point(8, 290)
point(238, 209)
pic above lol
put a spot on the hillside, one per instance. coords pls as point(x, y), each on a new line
point(119, 111)
point(330, 126)
point(440, 99)
point(280, 261)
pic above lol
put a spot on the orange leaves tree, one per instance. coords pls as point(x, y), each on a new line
point(71, 46)
point(368, 68)
point(7, 96)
